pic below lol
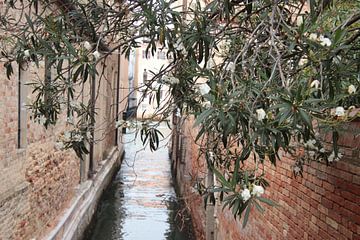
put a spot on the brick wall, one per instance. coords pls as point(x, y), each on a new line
point(37, 182)
point(188, 172)
point(323, 204)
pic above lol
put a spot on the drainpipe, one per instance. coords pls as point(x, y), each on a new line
point(19, 108)
point(210, 210)
point(92, 126)
point(117, 97)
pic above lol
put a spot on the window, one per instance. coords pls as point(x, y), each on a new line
point(145, 76)
point(143, 54)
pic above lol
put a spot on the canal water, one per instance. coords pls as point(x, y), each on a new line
point(141, 203)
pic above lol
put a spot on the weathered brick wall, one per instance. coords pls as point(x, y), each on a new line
point(13, 189)
point(189, 168)
point(12, 210)
point(323, 204)
point(38, 181)
point(53, 176)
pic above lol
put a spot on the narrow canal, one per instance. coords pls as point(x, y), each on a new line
point(141, 202)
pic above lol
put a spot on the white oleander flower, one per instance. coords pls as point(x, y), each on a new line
point(258, 190)
point(230, 67)
point(245, 194)
point(310, 144)
point(311, 154)
point(299, 21)
point(204, 89)
point(88, 135)
point(351, 89)
point(59, 145)
point(97, 55)
point(87, 46)
point(42, 120)
point(340, 155)
point(77, 137)
point(315, 84)
point(324, 41)
point(297, 169)
point(261, 114)
point(27, 53)
point(75, 104)
point(174, 80)
point(180, 46)
point(339, 111)
point(303, 61)
point(178, 113)
point(337, 59)
point(67, 136)
point(70, 119)
point(120, 123)
point(313, 37)
point(206, 104)
point(331, 157)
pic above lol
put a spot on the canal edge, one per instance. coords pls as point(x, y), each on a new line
point(77, 217)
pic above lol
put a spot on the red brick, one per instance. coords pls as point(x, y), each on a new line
point(321, 175)
point(342, 165)
point(350, 196)
point(356, 179)
point(322, 224)
point(335, 216)
point(326, 203)
point(354, 169)
point(345, 232)
point(320, 190)
point(353, 207)
point(328, 186)
point(323, 234)
point(332, 222)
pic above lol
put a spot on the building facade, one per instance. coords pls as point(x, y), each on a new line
point(322, 204)
point(47, 192)
point(146, 65)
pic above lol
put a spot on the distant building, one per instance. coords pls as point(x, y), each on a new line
point(146, 66)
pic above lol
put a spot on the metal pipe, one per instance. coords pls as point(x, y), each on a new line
point(19, 108)
point(117, 97)
point(92, 124)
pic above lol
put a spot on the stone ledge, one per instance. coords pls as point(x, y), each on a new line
point(77, 217)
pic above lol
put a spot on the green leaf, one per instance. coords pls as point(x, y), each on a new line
point(267, 201)
point(246, 216)
point(221, 178)
point(9, 69)
point(236, 170)
point(306, 118)
point(203, 116)
point(258, 206)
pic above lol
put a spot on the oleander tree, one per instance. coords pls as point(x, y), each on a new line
point(263, 78)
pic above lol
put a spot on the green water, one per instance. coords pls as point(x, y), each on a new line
point(141, 202)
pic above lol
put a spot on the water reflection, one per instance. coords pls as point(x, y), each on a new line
point(141, 202)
